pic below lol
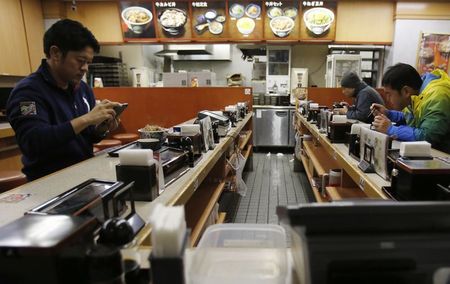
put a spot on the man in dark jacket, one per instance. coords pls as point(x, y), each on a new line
point(52, 111)
point(363, 97)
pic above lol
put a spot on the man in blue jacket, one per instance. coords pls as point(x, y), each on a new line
point(52, 111)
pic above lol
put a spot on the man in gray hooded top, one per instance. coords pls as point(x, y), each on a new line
point(363, 97)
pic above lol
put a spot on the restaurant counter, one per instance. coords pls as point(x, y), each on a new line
point(103, 167)
point(320, 156)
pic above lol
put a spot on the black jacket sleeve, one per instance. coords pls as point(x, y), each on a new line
point(34, 133)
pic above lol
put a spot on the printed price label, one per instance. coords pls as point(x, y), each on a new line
point(313, 3)
point(166, 4)
point(200, 4)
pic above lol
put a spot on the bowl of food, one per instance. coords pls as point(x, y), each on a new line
point(137, 18)
point(149, 143)
point(221, 19)
point(290, 12)
point(153, 131)
point(215, 28)
point(274, 12)
point(444, 49)
point(245, 25)
point(281, 26)
point(253, 11)
point(318, 20)
point(172, 21)
point(210, 15)
point(237, 11)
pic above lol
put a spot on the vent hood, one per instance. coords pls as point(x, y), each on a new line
point(184, 49)
point(196, 52)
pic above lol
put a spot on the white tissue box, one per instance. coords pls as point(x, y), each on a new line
point(415, 149)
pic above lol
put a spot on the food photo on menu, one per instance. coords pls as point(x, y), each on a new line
point(433, 52)
point(137, 20)
point(247, 16)
point(282, 19)
point(173, 19)
point(318, 20)
point(209, 19)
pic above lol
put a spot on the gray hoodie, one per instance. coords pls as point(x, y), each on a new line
point(364, 98)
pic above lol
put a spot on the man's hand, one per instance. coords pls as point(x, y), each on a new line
point(103, 111)
point(378, 109)
point(381, 123)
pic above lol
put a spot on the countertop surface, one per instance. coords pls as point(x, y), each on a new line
point(6, 130)
point(272, 107)
point(103, 167)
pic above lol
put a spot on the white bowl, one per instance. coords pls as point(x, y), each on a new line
point(245, 25)
point(285, 31)
point(318, 29)
point(137, 28)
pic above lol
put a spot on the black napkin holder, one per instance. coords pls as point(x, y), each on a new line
point(337, 131)
point(145, 180)
point(169, 269)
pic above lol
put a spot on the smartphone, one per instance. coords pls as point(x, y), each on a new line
point(119, 109)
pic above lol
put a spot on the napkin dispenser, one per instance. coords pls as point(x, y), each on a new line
point(145, 178)
point(419, 179)
point(337, 131)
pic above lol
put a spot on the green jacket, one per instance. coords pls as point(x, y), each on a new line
point(428, 116)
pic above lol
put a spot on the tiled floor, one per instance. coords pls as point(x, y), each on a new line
point(271, 183)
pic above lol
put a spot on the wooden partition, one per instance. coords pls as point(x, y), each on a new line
point(169, 106)
point(327, 96)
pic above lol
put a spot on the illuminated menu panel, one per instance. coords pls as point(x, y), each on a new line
point(282, 20)
point(318, 20)
point(173, 20)
point(137, 21)
point(246, 20)
point(209, 20)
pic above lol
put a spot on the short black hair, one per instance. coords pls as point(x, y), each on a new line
point(400, 75)
point(69, 35)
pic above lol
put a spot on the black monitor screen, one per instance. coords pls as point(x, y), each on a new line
point(370, 242)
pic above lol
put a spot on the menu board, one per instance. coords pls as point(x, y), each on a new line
point(173, 20)
point(434, 52)
point(137, 21)
point(282, 20)
point(318, 21)
point(209, 20)
point(246, 20)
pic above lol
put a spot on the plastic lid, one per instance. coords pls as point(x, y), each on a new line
point(244, 235)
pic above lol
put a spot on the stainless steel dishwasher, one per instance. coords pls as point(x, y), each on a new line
point(271, 126)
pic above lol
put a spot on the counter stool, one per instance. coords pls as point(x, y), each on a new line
point(126, 138)
point(107, 143)
point(11, 179)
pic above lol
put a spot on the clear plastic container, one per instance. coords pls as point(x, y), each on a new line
point(240, 253)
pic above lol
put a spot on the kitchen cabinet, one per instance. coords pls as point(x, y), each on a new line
point(14, 58)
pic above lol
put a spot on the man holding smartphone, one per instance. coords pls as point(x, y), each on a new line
point(52, 111)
